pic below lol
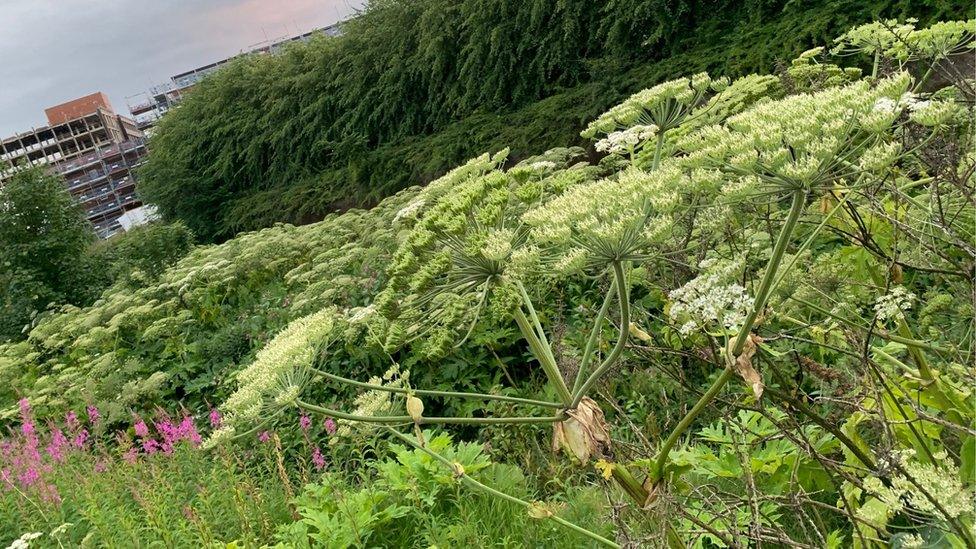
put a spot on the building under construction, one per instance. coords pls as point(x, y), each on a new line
point(94, 151)
point(146, 108)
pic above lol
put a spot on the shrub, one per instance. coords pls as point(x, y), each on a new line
point(141, 254)
point(43, 239)
point(414, 501)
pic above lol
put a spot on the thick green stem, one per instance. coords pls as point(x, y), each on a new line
point(624, 301)
point(631, 485)
point(548, 365)
point(426, 420)
point(944, 402)
point(536, 324)
point(925, 77)
point(467, 479)
point(705, 400)
point(657, 150)
point(906, 334)
point(594, 336)
point(806, 244)
point(908, 421)
point(426, 392)
point(258, 427)
point(762, 295)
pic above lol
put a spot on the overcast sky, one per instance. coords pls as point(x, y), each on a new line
point(53, 51)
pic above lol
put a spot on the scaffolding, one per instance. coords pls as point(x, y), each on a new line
point(94, 154)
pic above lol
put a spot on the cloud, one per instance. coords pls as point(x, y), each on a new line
point(56, 50)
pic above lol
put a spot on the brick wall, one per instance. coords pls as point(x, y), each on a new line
point(77, 108)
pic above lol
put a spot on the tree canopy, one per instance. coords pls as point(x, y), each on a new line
point(44, 237)
point(348, 120)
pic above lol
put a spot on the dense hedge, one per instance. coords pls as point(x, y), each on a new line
point(413, 88)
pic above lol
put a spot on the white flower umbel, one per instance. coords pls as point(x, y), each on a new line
point(360, 314)
point(894, 304)
point(471, 169)
point(23, 542)
point(375, 403)
point(609, 217)
point(710, 300)
point(261, 383)
point(880, 157)
point(876, 38)
point(943, 39)
point(886, 105)
point(940, 481)
point(805, 140)
point(933, 113)
point(543, 165)
point(498, 244)
point(903, 42)
point(410, 211)
point(627, 141)
point(664, 107)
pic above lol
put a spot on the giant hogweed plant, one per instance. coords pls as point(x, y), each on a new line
point(185, 336)
point(834, 166)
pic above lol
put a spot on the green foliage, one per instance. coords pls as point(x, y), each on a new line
point(482, 233)
point(809, 234)
point(414, 88)
point(49, 256)
point(140, 255)
point(414, 501)
point(183, 336)
point(43, 240)
point(189, 498)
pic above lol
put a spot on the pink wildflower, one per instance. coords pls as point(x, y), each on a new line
point(131, 455)
point(169, 431)
point(80, 439)
point(29, 476)
point(150, 446)
point(330, 426)
point(188, 431)
point(25, 457)
point(71, 421)
point(305, 422)
point(264, 436)
point(215, 418)
point(141, 429)
point(31, 442)
point(318, 459)
point(101, 465)
point(55, 448)
point(93, 414)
